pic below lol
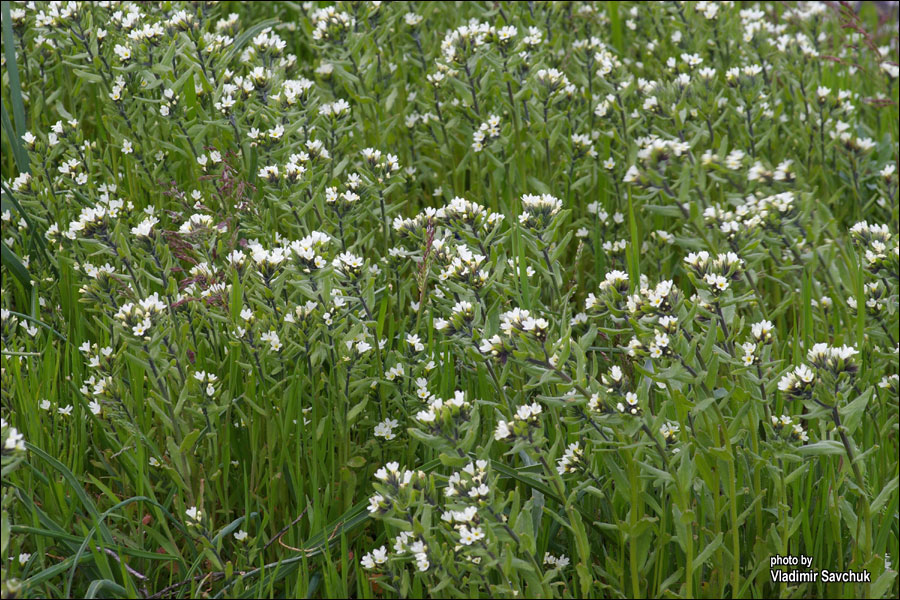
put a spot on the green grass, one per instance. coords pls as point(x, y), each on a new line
point(284, 447)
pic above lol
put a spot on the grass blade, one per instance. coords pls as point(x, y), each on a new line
point(15, 86)
point(105, 585)
point(15, 141)
point(15, 266)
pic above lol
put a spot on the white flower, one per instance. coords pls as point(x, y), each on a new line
point(375, 503)
point(14, 440)
point(415, 342)
point(273, 339)
point(240, 535)
point(631, 175)
point(385, 429)
point(194, 515)
point(762, 331)
point(557, 563)
point(467, 536)
point(123, 52)
point(375, 557)
point(892, 69)
point(145, 228)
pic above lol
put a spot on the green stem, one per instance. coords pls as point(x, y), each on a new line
point(732, 500)
point(632, 539)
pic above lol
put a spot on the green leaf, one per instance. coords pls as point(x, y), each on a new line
point(356, 462)
point(634, 254)
point(886, 493)
point(708, 551)
point(883, 584)
point(708, 343)
point(15, 266)
point(51, 572)
point(616, 25)
point(825, 447)
point(584, 577)
point(664, 476)
point(36, 241)
point(519, 248)
point(4, 532)
point(87, 75)
point(712, 371)
point(105, 585)
point(354, 412)
point(245, 37)
point(230, 528)
point(19, 152)
point(190, 96)
point(12, 70)
point(188, 441)
point(852, 413)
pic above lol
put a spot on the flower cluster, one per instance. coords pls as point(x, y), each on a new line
point(139, 317)
point(793, 429)
point(716, 272)
point(538, 210)
point(524, 423)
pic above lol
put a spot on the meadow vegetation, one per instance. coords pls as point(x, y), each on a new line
point(482, 299)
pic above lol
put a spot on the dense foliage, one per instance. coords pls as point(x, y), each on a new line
point(544, 299)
